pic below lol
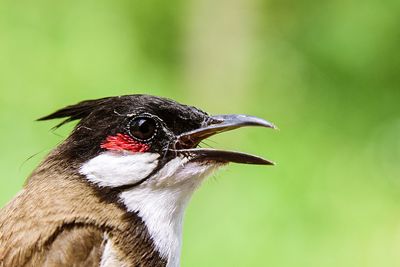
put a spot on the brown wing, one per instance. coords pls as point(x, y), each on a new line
point(75, 245)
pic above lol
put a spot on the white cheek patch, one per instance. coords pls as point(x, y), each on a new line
point(111, 169)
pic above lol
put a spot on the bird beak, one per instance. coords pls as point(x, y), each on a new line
point(186, 142)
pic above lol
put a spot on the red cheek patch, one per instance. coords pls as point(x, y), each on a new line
point(123, 142)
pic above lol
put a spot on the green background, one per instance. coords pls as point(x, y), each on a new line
point(326, 72)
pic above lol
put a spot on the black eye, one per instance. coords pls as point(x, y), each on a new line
point(143, 128)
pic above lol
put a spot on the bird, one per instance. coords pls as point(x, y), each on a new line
point(114, 192)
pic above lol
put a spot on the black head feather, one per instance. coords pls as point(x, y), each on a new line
point(76, 112)
point(109, 116)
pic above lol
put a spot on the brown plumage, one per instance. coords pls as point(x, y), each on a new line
point(59, 220)
point(91, 204)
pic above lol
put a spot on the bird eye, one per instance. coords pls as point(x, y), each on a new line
point(143, 128)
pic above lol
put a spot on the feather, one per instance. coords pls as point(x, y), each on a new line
point(76, 112)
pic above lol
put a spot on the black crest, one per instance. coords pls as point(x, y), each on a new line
point(77, 111)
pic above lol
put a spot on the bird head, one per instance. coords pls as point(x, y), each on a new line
point(123, 142)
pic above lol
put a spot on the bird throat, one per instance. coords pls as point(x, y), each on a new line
point(160, 201)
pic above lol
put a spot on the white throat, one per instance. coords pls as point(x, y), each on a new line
point(161, 200)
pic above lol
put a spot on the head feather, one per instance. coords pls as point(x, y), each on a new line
point(75, 112)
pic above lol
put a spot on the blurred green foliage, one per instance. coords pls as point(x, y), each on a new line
point(326, 72)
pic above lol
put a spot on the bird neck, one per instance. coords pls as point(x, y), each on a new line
point(162, 211)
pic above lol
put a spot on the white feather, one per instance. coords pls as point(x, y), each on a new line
point(161, 203)
point(115, 169)
point(109, 258)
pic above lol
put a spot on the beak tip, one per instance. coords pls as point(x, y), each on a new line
point(269, 124)
point(262, 122)
point(268, 162)
point(274, 127)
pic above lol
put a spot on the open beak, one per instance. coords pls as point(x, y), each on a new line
point(187, 142)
